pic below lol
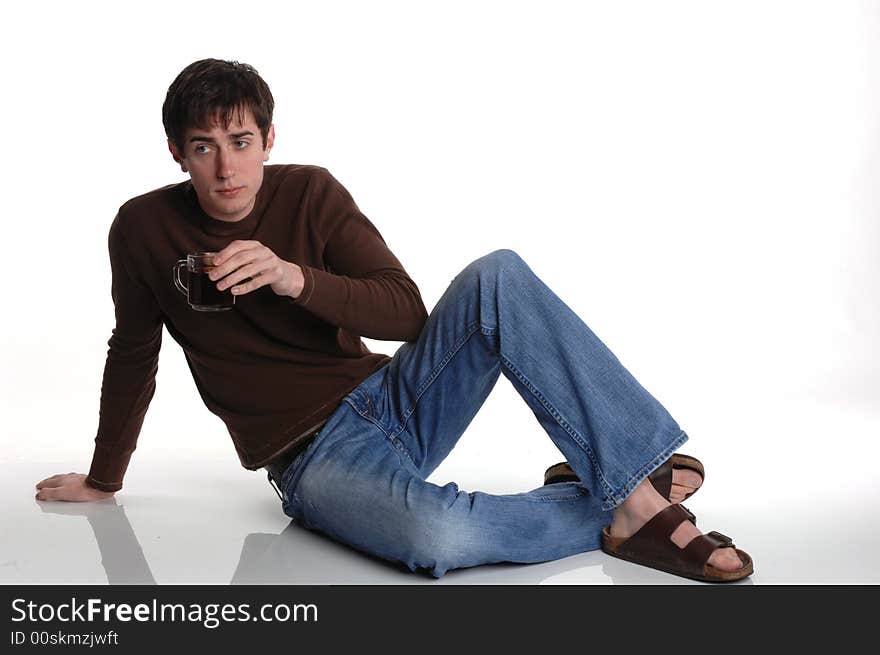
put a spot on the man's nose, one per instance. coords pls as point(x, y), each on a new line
point(224, 164)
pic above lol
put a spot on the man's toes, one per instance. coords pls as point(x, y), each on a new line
point(725, 559)
point(678, 492)
point(687, 478)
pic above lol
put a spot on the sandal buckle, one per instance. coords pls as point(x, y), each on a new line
point(725, 540)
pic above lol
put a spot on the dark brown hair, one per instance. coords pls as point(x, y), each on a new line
point(212, 90)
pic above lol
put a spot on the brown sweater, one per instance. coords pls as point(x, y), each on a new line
point(272, 368)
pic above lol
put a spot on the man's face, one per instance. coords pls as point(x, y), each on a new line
point(226, 166)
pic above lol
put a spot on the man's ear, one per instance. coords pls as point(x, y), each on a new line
point(270, 141)
point(177, 156)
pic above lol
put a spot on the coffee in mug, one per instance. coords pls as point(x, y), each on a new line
point(201, 291)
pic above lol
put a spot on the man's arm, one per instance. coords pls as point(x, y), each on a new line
point(366, 289)
point(128, 383)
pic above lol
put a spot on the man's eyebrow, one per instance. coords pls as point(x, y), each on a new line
point(210, 139)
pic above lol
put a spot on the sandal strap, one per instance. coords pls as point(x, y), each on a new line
point(701, 548)
point(661, 478)
point(561, 472)
point(691, 517)
point(660, 527)
point(652, 545)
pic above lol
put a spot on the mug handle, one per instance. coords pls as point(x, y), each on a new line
point(177, 282)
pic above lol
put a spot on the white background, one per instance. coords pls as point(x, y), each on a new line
point(697, 180)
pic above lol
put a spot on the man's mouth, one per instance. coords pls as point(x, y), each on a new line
point(228, 193)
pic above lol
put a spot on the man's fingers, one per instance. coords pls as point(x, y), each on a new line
point(52, 481)
point(232, 264)
point(68, 487)
point(252, 284)
point(250, 271)
point(233, 256)
point(231, 249)
point(48, 493)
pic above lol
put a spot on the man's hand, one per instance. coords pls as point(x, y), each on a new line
point(251, 259)
point(69, 486)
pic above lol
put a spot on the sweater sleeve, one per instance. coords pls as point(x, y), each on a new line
point(364, 288)
point(129, 371)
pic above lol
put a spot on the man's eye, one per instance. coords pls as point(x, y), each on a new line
point(242, 144)
point(202, 149)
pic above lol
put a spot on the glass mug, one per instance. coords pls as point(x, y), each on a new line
point(201, 291)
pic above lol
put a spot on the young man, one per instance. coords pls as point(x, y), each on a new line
point(348, 435)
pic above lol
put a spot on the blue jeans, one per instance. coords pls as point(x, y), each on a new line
point(362, 479)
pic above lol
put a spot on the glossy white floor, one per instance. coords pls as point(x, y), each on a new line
point(806, 515)
point(709, 210)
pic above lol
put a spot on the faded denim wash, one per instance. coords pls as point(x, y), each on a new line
point(362, 480)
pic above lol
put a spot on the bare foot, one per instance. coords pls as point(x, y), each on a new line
point(643, 503)
point(684, 482)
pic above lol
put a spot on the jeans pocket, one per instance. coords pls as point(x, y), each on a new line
point(288, 472)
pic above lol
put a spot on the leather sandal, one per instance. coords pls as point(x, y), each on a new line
point(651, 546)
point(661, 477)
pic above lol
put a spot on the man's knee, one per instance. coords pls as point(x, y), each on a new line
point(439, 543)
point(500, 262)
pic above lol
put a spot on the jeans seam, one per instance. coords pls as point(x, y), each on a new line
point(435, 372)
point(562, 422)
point(617, 497)
point(550, 499)
point(560, 499)
point(368, 417)
point(396, 443)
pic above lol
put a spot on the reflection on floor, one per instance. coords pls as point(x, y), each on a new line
point(219, 524)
